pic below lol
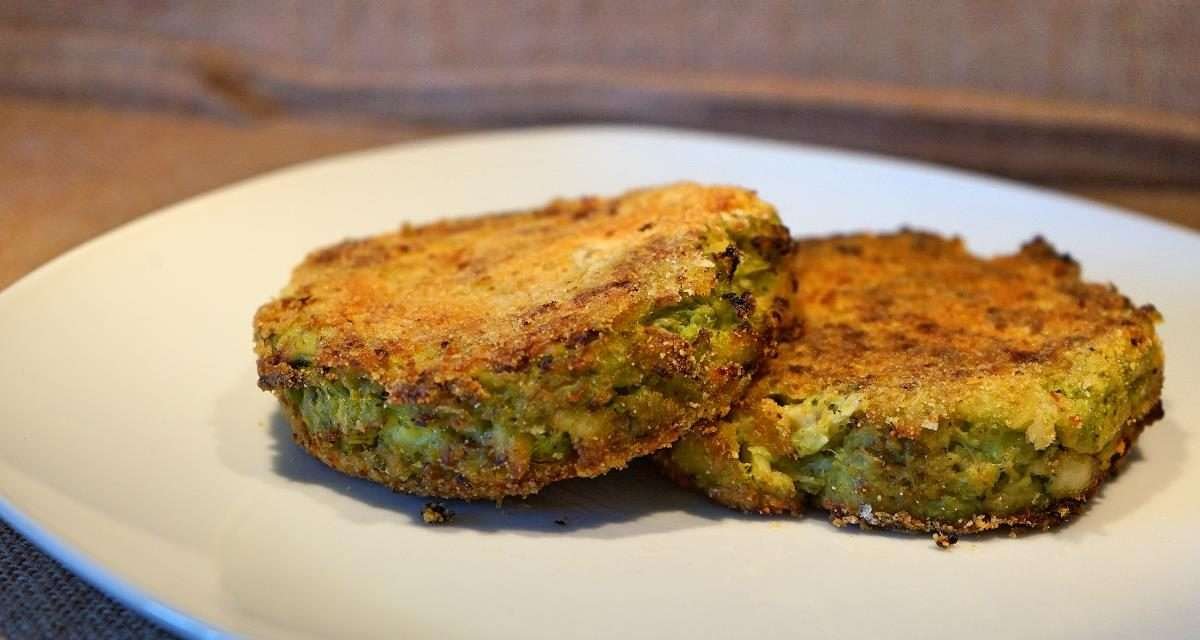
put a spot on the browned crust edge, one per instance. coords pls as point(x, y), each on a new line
point(1053, 516)
point(435, 481)
point(442, 481)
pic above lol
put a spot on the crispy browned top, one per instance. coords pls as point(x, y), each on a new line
point(433, 303)
point(910, 323)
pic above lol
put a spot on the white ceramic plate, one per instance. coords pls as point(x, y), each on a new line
point(137, 449)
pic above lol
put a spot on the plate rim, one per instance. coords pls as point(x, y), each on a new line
point(104, 580)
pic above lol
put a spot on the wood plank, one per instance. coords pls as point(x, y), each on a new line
point(72, 171)
point(1059, 90)
point(1180, 206)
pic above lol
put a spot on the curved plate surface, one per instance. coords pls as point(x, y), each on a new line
point(138, 450)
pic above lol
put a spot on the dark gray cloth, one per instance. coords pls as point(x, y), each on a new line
point(41, 599)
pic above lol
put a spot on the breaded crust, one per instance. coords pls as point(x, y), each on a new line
point(842, 516)
point(445, 481)
point(1056, 514)
point(425, 308)
point(489, 356)
point(927, 389)
point(916, 323)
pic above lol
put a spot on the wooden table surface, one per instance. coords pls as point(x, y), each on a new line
point(69, 171)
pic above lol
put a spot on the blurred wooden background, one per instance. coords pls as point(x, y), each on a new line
point(109, 109)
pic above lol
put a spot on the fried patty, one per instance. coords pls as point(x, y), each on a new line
point(487, 357)
point(928, 389)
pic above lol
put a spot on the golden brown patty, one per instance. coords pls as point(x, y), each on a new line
point(925, 388)
point(486, 357)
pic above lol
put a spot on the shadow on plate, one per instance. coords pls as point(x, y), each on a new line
point(1160, 453)
point(639, 501)
point(1156, 461)
point(634, 501)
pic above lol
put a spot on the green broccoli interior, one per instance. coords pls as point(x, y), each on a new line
point(973, 462)
point(545, 413)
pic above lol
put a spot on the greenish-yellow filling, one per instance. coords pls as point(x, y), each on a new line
point(549, 412)
point(990, 456)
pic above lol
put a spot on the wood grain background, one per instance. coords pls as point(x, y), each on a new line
point(1051, 89)
point(109, 109)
